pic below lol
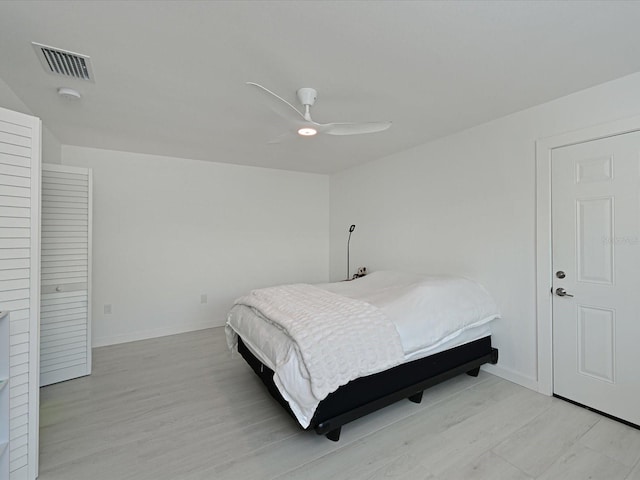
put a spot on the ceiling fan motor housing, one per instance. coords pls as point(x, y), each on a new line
point(307, 96)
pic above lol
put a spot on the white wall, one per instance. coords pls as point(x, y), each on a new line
point(51, 148)
point(167, 230)
point(465, 204)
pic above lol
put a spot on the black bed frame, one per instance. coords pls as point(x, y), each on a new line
point(368, 394)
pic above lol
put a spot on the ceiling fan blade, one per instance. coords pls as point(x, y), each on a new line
point(354, 128)
point(284, 137)
point(282, 107)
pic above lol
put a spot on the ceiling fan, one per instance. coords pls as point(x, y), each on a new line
point(302, 122)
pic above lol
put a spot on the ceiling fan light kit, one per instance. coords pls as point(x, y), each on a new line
point(307, 132)
point(304, 125)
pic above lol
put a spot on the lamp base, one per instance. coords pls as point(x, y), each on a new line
point(362, 271)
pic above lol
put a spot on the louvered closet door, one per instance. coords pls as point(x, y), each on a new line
point(19, 287)
point(65, 318)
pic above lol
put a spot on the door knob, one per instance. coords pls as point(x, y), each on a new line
point(561, 292)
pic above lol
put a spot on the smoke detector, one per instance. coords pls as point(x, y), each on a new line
point(69, 93)
point(64, 63)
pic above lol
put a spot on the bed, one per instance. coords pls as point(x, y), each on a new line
point(334, 352)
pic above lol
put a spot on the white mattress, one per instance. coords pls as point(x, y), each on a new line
point(431, 314)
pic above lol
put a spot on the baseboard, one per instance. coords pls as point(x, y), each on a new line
point(154, 333)
point(515, 377)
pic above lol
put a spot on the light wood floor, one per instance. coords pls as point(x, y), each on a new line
point(180, 407)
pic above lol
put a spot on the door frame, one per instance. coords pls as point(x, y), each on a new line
point(544, 274)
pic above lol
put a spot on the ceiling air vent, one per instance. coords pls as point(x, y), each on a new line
point(64, 63)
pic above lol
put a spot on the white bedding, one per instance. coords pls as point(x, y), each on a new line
point(332, 334)
point(427, 310)
point(429, 313)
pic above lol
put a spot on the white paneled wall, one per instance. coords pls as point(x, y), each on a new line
point(65, 305)
point(19, 286)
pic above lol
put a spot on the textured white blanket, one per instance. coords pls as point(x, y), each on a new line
point(339, 339)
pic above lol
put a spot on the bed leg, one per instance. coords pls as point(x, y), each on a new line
point(334, 435)
point(474, 372)
point(494, 356)
point(417, 398)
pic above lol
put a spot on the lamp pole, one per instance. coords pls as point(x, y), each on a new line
point(351, 229)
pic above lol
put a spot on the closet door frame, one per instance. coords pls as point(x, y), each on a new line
point(69, 169)
point(34, 321)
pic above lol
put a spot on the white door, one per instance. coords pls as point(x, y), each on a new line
point(65, 318)
point(596, 260)
point(19, 286)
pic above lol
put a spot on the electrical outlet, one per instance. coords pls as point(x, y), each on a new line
point(107, 309)
point(203, 298)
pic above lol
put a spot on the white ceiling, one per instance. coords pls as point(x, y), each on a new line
point(170, 76)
